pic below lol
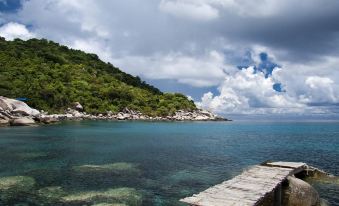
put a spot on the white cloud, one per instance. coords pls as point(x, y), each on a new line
point(14, 30)
point(142, 38)
point(248, 92)
point(93, 46)
point(321, 89)
point(206, 70)
point(307, 86)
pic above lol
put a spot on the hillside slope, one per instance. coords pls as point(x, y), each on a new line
point(53, 76)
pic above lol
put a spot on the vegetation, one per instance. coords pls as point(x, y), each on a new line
point(53, 76)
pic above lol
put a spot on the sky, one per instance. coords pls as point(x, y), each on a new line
point(264, 58)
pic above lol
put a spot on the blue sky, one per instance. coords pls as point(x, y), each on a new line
point(10, 6)
point(261, 58)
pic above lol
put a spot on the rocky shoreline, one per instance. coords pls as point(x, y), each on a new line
point(17, 113)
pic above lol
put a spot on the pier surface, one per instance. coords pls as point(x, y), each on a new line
point(249, 188)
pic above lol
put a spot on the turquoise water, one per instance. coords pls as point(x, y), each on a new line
point(172, 159)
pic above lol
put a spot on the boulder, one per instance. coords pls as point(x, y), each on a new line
point(72, 113)
point(121, 116)
point(17, 107)
point(48, 119)
point(4, 121)
point(77, 106)
point(22, 121)
point(300, 193)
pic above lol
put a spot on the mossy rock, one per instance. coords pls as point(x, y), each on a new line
point(50, 195)
point(110, 204)
point(127, 196)
point(119, 168)
point(14, 187)
point(323, 180)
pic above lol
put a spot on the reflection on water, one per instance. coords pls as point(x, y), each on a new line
point(143, 163)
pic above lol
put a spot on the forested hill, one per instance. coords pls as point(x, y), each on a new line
point(53, 76)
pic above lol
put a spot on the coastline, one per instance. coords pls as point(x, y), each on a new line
point(17, 113)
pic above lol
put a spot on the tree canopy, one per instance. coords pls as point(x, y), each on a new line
point(53, 76)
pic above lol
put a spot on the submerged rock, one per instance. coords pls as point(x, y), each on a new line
point(323, 179)
point(109, 204)
point(300, 193)
point(324, 202)
point(319, 176)
point(127, 196)
point(119, 168)
point(14, 187)
point(50, 195)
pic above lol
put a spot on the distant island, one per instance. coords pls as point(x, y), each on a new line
point(58, 80)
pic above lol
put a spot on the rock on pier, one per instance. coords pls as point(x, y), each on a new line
point(259, 185)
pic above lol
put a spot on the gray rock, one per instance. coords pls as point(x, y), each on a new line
point(48, 119)
point(22, 121)
point(300, 193)
point(77, 106)
point(4, 121)
point(17, 107)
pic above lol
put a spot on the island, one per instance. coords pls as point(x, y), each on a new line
point(43, 81)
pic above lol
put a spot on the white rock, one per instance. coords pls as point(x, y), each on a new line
point(17, 107)
point(201, 118)
point(4, 121)
point(121, 116)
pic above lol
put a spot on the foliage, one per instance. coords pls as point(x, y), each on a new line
point(53, 76)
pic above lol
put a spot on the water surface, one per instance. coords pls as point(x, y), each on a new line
point(172, 159)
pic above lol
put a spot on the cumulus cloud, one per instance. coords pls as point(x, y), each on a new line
point(320, 90)
point(204, 71)
point(251, 91)
point(248, 91)
point(14, 30)
point(201, 43)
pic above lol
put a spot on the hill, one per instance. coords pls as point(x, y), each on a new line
point(52, 76)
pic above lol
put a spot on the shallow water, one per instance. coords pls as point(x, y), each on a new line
point(169, 160)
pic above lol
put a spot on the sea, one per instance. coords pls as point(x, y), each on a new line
point(161, 161)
